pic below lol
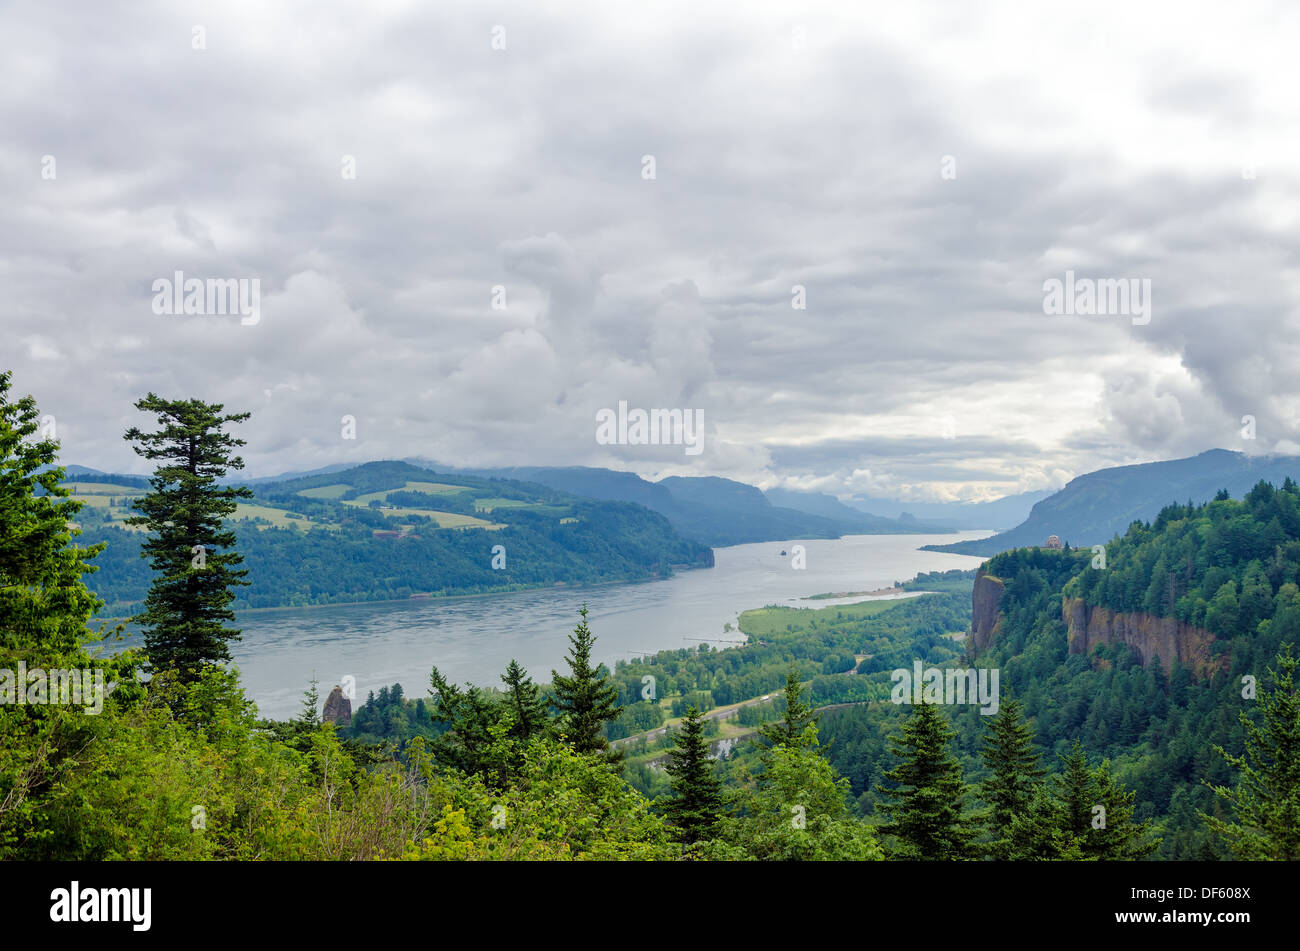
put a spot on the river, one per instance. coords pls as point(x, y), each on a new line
point(473, 638)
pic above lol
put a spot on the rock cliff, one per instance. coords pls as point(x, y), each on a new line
point(986, 622)
point(338, 708)
point(1149, 636)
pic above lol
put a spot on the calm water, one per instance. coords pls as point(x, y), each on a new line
point(472, 639)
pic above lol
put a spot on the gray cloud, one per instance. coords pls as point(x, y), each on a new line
point(775, 166)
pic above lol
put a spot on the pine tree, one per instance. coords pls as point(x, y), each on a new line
point(1014, 767)
point(45, 609)
point(524, 700)
point(193, 558)
point(44, 606)
point(470, 714)
point(696, 804)
point(310, 716)
point(798, 716)
point(1080, 813)
point(1113, 835)
point(926, 804)
point(585, 697)
point(1266, 799)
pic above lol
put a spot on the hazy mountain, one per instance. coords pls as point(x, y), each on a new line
point(1000, 513)
point(1092, 508)
point(828, 506)
point(707, 509)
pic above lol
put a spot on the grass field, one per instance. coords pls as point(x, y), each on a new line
point(428, 488)
point(326, 491)
point(773, 620)
point(487, 505)
point(278, 518)
point(444, 519)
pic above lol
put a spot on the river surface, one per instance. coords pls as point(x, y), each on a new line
point(473, 638)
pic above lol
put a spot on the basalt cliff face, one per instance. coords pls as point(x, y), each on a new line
point(1087, 625)
point(986, 622)
point(1149, 636)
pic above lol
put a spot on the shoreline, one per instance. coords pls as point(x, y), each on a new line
point(422, 598)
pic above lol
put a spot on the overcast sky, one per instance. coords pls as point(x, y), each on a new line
point(920, 169)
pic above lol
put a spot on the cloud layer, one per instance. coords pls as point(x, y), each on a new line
point(460, 246)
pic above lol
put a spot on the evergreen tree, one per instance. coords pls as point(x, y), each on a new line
point(1014, 769)
point(1081, 813)
point(45, 608)
point(925, 804)
point(310, 716)
point(798, 716)
point(1266, 799)
point(586, 699)
point(696, 803)
point(796, 812)
point(524, 700)
point(469, 744)
point(192, 556)
point(1113, 835)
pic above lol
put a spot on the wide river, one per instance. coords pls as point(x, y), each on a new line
point(473, 638)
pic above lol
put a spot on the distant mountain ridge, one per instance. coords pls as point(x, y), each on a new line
point(708, 509)
point(1092, 508)
point(1001, 513)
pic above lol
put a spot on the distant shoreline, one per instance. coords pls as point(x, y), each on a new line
point(420, 598)
point(879, 592)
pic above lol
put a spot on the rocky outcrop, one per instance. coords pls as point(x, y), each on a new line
point(1147, 635)
point(986, 622)
point(338, 708)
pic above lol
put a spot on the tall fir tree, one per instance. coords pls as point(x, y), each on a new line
point(45, 610)
point(798, 716)
point(192, 555)
point(1014, 766)
point(926, 804)
point(469, 743)
point(524, 701)
point(695, 806)
point(310, 715)
point(585, 698)
point(1266, 799)
point(1081, 813)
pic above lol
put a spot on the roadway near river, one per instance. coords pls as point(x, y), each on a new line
point(472, 639)
point(721, 713)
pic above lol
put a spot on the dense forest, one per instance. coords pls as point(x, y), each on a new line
point(1230, 566)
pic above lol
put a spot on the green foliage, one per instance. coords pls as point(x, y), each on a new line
point(1265, 803)
point(925, 804)
point(792, 728)
point(191, 554)
point(1014, 771)
point(1082, 813)
point(794, 810)
point(696, 804)
point(585, 698)
point(339, 559)
point(44, 611)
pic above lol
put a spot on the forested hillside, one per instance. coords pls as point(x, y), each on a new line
point(391, 530)
point(1228, 567)
point(1096, 506)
